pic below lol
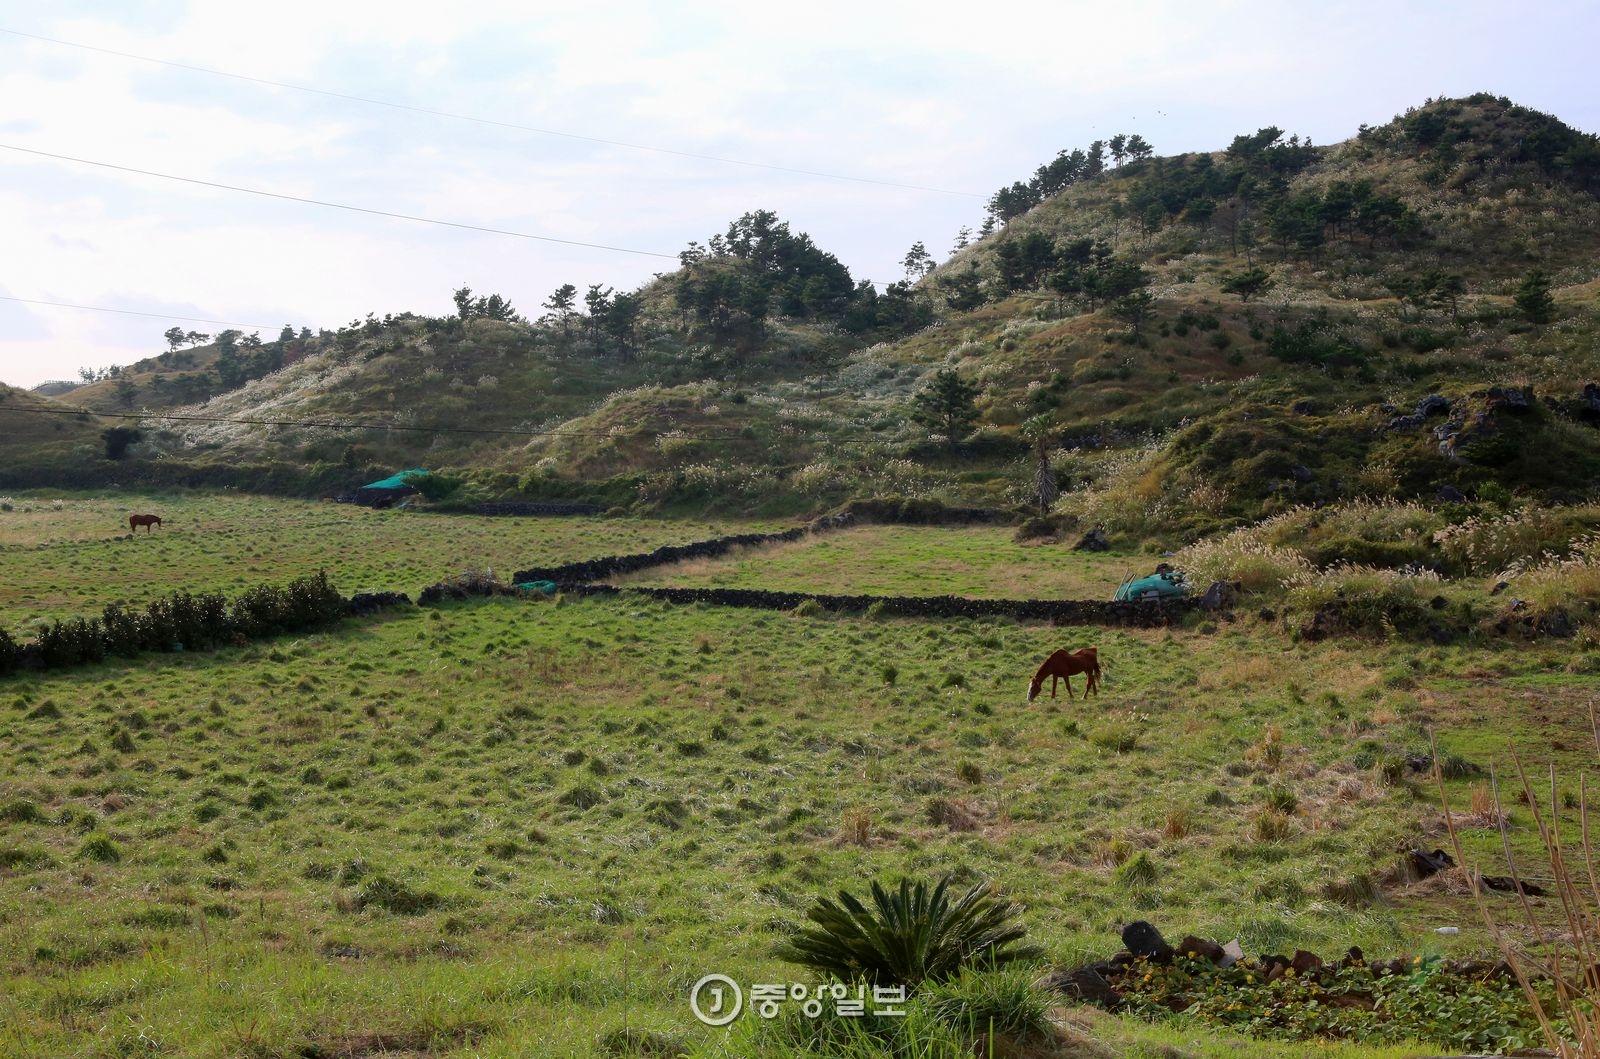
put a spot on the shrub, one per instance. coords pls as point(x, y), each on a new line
point(1488, 545)
point(121, 631)
point(99, 848)
point(10, 654)
point(809, 608)
point(1179, 822)
point(305, 603)
point(1283, 800)
point(980, 1002)
point(1137, 492)
point(1119, 737)
point(1550, 582)
point(1137, 871)
point(1243, 557)
point(1270, 825)
point(910, 935)
point(1361, 599)
point(71, 643)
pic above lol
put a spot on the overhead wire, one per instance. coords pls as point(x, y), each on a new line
point(133, 312)
point(371, 101)
point(335, 205)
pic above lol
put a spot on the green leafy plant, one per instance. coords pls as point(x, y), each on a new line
point(990, 1002)
point(909, 935)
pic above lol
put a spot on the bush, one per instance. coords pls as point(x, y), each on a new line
point(1361, 599)
point(1550, 583)
point(1243, 557)
point(121, 631)
point(10, 654)
point(909, 936)
point(305, 603)
point(71, 643)
point(980, 1002)
point(1490, 545)
point(99, 848)
point(1138, 871)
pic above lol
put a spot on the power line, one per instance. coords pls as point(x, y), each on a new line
point(490, 121)
point(336, 205)
point(134, 312)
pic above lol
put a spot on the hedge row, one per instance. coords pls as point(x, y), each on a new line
point(912, 511)
point(1144, 615)
point(612, 565)
point(185, 621)
point(544, 509)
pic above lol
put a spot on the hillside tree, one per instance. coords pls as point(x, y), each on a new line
point(597, 300)
point(962, 290)
point(1448, 291)
point(1036, 431)
point(1247, 285)
point(947, 404)
point(1534, 300)
point(174, 337)
point(561, 305)
point(1119, 148)
point(918, 262)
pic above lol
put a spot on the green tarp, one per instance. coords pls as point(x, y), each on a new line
point(1156, 586)
point(403, 480)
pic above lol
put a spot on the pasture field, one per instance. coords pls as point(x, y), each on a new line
point(72, 560)
point(982, 561)
point(507, 828)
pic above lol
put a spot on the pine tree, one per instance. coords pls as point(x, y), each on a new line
point(948, 405)
point(1534, 300)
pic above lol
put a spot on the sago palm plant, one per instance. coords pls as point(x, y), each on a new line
point(908, 935)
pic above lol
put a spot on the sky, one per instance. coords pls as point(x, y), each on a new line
point(870, 126)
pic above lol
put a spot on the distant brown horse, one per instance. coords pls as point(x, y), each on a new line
point(135, 521)
point(1063, 665)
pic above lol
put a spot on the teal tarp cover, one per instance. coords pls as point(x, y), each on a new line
point(1161, 585)
point(403, 480)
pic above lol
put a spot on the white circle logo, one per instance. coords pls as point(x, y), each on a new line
point(725, 998)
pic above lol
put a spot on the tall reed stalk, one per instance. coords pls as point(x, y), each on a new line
point(1569, 961)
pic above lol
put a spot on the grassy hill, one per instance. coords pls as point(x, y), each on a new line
point(33, 433)
point(1389, 267)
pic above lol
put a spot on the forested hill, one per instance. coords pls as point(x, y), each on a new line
point(1250, 327)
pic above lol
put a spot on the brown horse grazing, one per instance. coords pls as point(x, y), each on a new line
point(1063, 665)
point(135, 521)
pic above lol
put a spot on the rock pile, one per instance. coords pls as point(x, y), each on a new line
point(1103, 983)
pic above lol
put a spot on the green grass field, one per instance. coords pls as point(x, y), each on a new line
point(510, 828)
point(984, 562)
point(57, 563)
